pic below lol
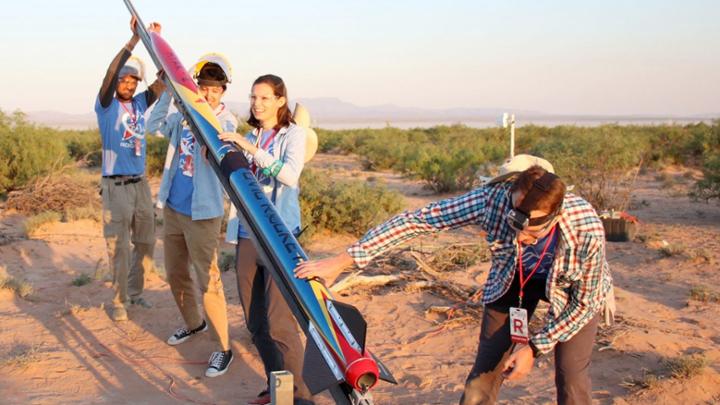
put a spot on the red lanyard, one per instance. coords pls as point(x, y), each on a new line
point(269, 140)
point(265, 146)
point(132, 114)
point(523, 281)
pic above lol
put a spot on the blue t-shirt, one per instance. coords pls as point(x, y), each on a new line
point(121, 126)
point(531, 254)
point(267, 142)
point(181, 188)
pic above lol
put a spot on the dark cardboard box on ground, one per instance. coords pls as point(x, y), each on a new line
point(619, 229)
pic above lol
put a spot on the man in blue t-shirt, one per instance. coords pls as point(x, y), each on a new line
point(128, 214)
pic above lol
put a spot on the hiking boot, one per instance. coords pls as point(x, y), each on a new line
point(263, 398)
point(183, 334)
point(219, 363)
point(140, 301)
point(119, 314)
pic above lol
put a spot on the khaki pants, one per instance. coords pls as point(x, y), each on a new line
point(196, 242)
point(128, 215)
point(272, 325)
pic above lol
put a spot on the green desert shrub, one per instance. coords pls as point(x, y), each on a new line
point(81, 280)
point(600, 162)
point(84, 146)
point(27, 151)
point(156, 151)
point(451, 171)
point(709, 186)
point(344, 206)
point(445, 157)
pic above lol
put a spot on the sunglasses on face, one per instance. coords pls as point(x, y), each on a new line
point(520, 222)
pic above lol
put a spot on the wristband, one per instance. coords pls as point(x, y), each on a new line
point(273, 169)
point(536, 352)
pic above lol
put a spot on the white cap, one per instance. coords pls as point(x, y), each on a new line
point(517, 164)
point(133, 67)
point(520, 163)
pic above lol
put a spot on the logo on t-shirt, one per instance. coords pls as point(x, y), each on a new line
point(187, 146)
point(132, 128)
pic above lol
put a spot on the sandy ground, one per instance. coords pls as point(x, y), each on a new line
point(58, 345)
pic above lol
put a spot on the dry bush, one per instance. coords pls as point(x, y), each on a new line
point(21, 287)
point(686, 366)
point(648, 380)
point(72, 309)
point(673, 249)
point(21, 355)
point(78, 213)
point(58, 192)
point(682, 367)
point(704, 294)
point(460, 256)
point(33, 223)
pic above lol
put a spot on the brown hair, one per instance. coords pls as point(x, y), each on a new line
point(551, 201)
point(284, 116)
point(212, 75)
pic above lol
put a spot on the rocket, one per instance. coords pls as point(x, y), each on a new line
point(336, 356)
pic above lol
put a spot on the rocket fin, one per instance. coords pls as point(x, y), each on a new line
point(385, 374)
point(317, 374)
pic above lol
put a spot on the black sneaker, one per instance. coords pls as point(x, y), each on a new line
point(183, 334)
point(218, 364)
point(140, 301)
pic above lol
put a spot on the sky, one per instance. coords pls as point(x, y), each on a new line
point(560, 57)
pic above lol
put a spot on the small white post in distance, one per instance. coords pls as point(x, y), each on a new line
point(508, 120)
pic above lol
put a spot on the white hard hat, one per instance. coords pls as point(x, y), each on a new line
point(215, 58)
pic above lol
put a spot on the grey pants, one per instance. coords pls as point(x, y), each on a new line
point(128, 216)
point(272, 325)
point(572, 358)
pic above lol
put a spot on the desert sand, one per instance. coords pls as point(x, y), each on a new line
point(59, 346)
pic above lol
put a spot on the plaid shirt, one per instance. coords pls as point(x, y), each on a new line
point(578, 280)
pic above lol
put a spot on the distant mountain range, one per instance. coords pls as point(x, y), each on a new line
point(336, 113)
